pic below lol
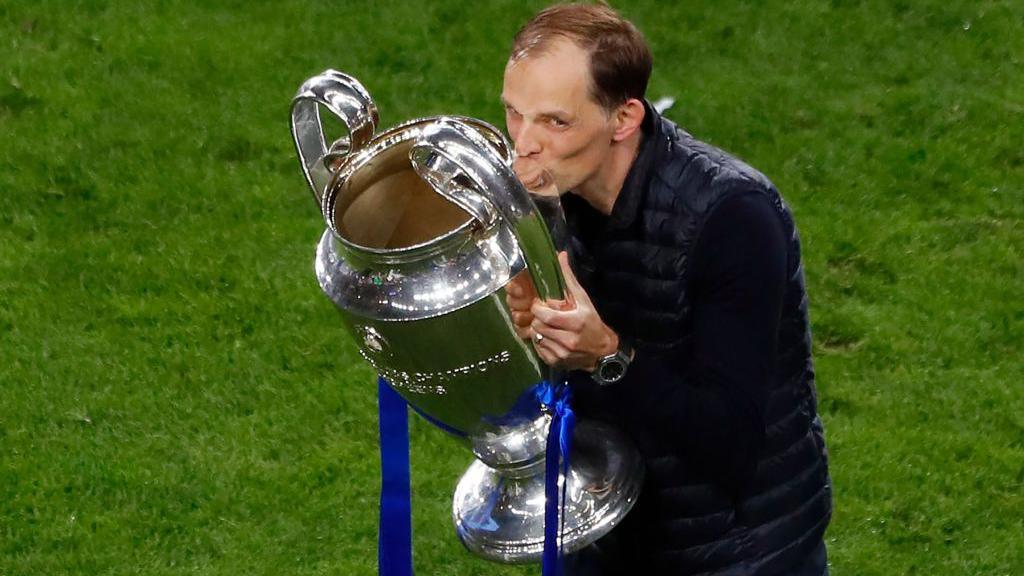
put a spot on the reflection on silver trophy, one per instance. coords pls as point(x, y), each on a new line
point(426, 224)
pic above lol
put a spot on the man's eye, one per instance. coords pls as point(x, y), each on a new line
point(558, 123)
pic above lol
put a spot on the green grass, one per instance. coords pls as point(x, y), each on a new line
point(176, 396)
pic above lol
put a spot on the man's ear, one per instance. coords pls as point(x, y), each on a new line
point(628, 118)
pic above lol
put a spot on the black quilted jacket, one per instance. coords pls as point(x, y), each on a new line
point(687, 520)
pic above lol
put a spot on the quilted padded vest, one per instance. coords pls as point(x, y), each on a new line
point(686, 522)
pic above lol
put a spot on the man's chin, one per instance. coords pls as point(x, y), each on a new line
point(565, 187)
point(559, 186)
point(549, 190)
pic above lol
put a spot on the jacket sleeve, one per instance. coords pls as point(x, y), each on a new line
point(712, 410)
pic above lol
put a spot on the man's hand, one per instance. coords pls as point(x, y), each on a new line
point(519, 295)
point(570, 334)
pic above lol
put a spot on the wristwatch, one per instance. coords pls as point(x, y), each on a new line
point(611, 368)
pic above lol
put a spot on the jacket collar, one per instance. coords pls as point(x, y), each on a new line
point(624, 211)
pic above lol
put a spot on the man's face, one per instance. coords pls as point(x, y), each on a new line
point(552, 118)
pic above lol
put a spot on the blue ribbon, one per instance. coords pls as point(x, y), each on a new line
point(394, 543)
point(556, 399)
point(394, 536)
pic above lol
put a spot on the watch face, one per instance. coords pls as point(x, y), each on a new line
point(612, 370)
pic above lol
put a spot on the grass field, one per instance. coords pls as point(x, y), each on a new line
point(176, 396)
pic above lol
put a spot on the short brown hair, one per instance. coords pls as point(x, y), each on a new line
point(620, 59)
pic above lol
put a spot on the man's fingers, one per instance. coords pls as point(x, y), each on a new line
point(551, 352)
point(519, 292)
point(566, 305)
point(524, 332)
point(522, 318)
point(519, 304)
point(545, 355)
point(553, 318)
point(564, 338)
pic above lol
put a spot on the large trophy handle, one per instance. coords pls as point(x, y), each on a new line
point(460, 164)
point(345, 98)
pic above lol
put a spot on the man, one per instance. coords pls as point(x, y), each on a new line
point(686, 322)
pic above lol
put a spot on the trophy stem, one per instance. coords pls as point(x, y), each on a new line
point(499, 511)
point(512, 448)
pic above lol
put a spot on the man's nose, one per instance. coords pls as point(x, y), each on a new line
point(526, 140)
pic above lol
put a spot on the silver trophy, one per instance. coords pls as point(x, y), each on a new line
point(426, 224)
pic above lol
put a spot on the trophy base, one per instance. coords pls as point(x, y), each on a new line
point(499, 514)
